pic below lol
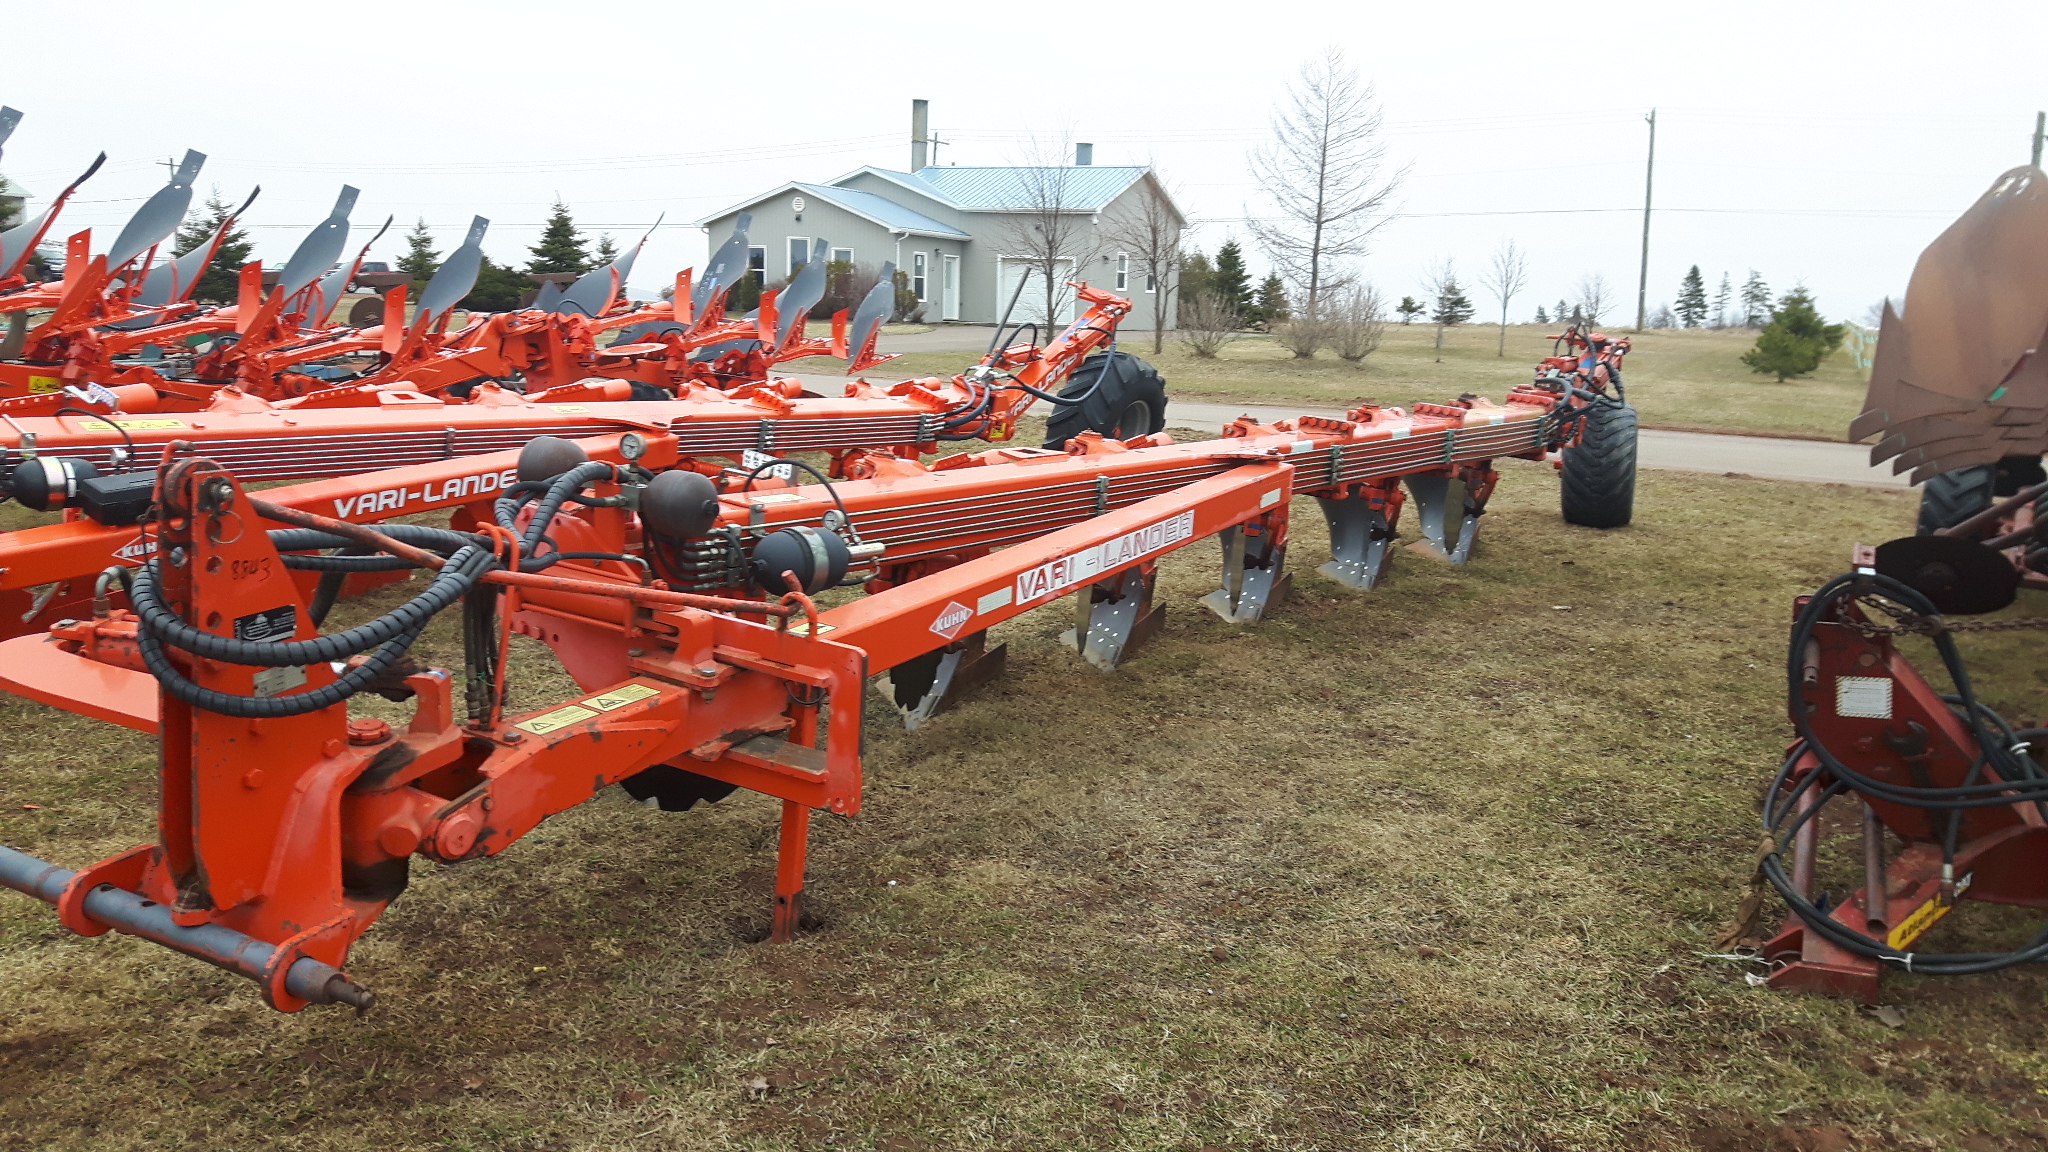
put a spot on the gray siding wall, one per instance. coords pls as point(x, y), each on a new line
point(980, 303)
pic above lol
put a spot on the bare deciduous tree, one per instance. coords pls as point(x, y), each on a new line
point(1356, 322)
point(1595, 297)
point(1207, 323)
point(1324, 173)
point(1506, 276)
point(1047, 231)
point(1152, 239)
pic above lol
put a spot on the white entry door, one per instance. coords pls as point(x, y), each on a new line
point(1031, 305)
point(949, 287)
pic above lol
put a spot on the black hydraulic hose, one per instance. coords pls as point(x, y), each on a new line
point(162, 625)
point(559, 490)
point(267, 707)
point(765, 465)
point(1115, 364)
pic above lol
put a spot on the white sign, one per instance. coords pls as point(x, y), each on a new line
point(1868, 697)
point(751, 460)
point(1086, 567)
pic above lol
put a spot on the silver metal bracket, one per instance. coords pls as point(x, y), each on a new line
point(1254, 575)
point(1113, 617)
point(1436, 498)
point(1361, 540)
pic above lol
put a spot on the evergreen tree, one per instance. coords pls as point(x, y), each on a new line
point(498, 288)
point(1722, 296)
point(1795, 341)
point(561, 246)
point(1540, 317)
point(1563, 313)
point(10, 210)
point(1197, 276)
point(1409, 309)
point(1452, 306)
point(1272, 306)
point(220, 283)
point(1692, 299)
point(1231, 281)
point(606, 251)
point(1756, 301)
point(420, 259)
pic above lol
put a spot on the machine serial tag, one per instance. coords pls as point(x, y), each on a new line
point(268, 626)
point(1864, 697)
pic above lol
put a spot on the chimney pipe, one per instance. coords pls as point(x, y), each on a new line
point(1084, 154)
point(919, 111)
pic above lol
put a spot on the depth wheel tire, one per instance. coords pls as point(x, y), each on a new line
point(1953, 497)
point(1130, 402)
point(1597, 486)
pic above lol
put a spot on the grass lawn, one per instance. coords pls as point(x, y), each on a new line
point(1427, 868)
point(1692, 380)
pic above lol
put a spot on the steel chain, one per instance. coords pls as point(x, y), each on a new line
point(1912, 623)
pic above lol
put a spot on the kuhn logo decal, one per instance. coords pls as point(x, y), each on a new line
point(953, 617)
point(445, 492)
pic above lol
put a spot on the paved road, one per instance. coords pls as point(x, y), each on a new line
point(1811, 460)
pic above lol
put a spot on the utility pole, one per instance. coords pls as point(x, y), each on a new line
point(1649, 176)
point(2040, 128)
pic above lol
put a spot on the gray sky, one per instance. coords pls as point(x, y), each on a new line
point(1816, 142)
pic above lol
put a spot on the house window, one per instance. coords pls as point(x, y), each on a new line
point(799, 252)
point(757, 263)
point(1151, 282)
point(842, 256)
point(917, 274)
point(1123, 272)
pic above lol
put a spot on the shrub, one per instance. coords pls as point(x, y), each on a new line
point(1302, 335)
point(1795, 341)
point(1207, 323)
point(1356, 324)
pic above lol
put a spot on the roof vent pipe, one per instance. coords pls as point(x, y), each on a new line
point(919, 112)
point(1084, 154)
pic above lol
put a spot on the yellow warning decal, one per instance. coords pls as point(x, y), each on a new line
point(1927, 915)
point(569, 407)
point(803, 627)
point(130, 425)
point(620, 697)
point(44, 383)
point(560, 718)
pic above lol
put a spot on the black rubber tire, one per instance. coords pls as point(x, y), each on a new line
point(1597, 486)
point(1953, 497)
point(1130, 402)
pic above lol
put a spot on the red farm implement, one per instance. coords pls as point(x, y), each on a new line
point(681, 603)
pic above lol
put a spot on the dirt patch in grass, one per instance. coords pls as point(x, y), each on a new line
point(1430, 867)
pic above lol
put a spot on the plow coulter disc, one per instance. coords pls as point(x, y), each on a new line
point(1961, 576)
point(1597, 488)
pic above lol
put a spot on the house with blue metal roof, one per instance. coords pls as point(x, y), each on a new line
point(962, 235)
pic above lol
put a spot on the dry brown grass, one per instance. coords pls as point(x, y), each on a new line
point(1426, 868)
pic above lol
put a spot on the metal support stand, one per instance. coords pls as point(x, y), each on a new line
point(1363, 520)
point(1113, 617)
point(1254, 571)
point(930, 684)
point(789, 871)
